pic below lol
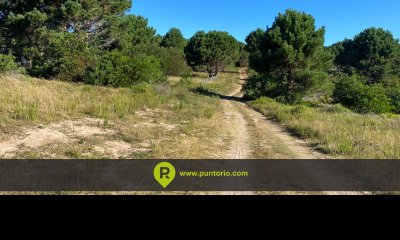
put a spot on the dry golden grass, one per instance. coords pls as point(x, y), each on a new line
point(168, 120)
point(29, 99)
point(199, 140)
point(225, 83)
point(338, 132)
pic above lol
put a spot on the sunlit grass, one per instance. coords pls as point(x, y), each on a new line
point(338, 131)
point(30, 103)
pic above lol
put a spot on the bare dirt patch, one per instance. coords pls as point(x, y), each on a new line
point(118, 148)
point(62, 132)
point(121, 149)
point(243, 75)
point(168, 127)
point(42, 137)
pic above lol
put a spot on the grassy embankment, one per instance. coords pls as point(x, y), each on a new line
point(165, 120)
point(338, 131)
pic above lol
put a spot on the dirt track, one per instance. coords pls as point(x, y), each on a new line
point(254, 136)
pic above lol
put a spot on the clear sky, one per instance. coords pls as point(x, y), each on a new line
point(342, 18)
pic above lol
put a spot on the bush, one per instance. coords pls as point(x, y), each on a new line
point(142, 88)
point(46, 53)
point(243, 60)
point(7, 64)
point(337, 108)
point(311, 83)
point(254, 87)
point(173, 62)
point(66, 56)
point(394, 95)
point(77, 61)
point(354, 93)
point(263, 85)
point(276, 86)
point(269, 85)
point(119, 70)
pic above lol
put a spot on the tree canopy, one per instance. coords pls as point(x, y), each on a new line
point(59, 38)
point(174, 39)
point(21, 22)
point(78, 40)
point(253, 45)
point(213, 51)
point(292, 43)
point(374, 53)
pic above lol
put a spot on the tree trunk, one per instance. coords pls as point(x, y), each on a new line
point(212, 71)
point(290, 84)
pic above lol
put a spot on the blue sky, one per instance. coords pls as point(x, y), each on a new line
point(342, 18)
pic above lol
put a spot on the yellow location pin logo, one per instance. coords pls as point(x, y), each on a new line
point(164, 173)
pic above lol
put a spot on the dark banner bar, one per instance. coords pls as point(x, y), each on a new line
point(200, 175)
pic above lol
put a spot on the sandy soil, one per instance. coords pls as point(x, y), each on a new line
point(241, 121)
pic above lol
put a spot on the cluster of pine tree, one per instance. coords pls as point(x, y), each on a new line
point(99, 42)
point(85, 40)
point(290, 61)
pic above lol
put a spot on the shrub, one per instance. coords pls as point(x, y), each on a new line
point(7, 64)
point(337, 108)
point(308, 82)
point(141, 88)
point(77, 61)
point(243, 60)
point(173, 62)
point(262, 85)
point(119, 70)
point(65, 56)
point(394, 94)
point(354, 93)
point(254, 87)
point(275, 86)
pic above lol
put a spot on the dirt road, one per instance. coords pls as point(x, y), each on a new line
point(254, 136)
